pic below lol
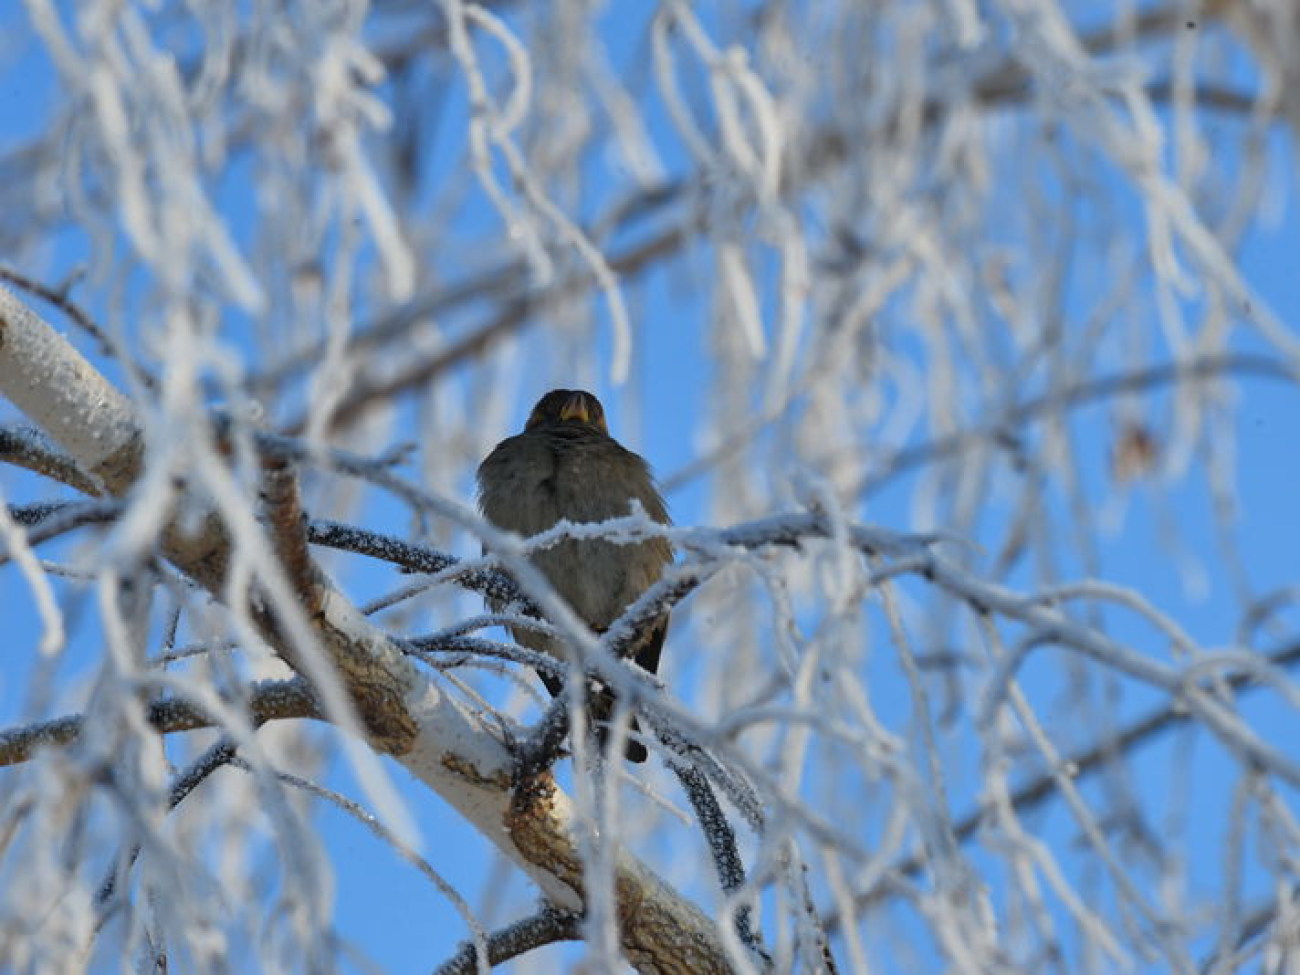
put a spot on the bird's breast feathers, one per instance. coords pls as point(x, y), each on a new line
point(533, 480)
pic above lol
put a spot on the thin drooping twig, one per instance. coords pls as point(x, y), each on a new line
point(517, 313)
point(221, 753)
point(1069, 397)
point(1084, 763)
point(373, 823)
point(1253, 925)
point(1007, 81)
point(722, 844)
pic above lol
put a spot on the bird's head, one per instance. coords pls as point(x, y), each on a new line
point(568, 406)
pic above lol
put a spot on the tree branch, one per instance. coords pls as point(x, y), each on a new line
point(1082, 764)
point(451, 748)
point(1070, 397)
point(47, 520)
point(544, 928)
point(30, 449)
point(268, 701)
point(412, 557)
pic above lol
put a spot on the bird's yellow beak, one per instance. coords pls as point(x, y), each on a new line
point(575, 408)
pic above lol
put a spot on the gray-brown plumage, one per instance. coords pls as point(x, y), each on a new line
point(565, 465)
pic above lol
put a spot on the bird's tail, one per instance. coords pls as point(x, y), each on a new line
point(600, 711)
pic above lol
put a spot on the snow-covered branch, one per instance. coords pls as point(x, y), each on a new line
point(404, 711)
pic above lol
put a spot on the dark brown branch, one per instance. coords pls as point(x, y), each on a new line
point(30, 449)
point(48, 520)
point(268, 701)
point(545, 928)
point(282, 504)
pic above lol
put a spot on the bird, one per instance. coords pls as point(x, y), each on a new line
point(566, 466)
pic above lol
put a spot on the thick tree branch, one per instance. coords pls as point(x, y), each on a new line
point(58, 388)
point(284, 515)
point(446, 745)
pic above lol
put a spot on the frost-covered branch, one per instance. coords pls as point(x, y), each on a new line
point(47, 520)
point(414, 557)
point(544, 928)
point(996, 275)
point(28, 448)
point(267, 701)
point(405, 713)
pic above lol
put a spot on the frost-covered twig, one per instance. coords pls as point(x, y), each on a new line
point(414, 557)
point(1072, 396)
point(546, 927)
point(267, 701)
point(377, 827)
point(534, 755)
point(217, 755)
point(722, 843)
point(1078, 765)
point(29, 448)
point(451, 748)
point(438, 647)
point(46, 520)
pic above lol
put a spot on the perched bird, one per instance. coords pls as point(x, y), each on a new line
point(565, 465)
